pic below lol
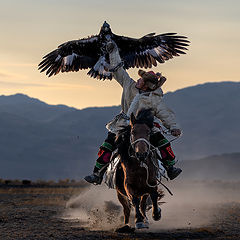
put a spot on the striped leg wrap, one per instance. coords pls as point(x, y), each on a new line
point(99, 165)
point(168, 157)
point(108, 146)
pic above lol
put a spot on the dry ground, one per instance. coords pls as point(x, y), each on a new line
point(199, 210)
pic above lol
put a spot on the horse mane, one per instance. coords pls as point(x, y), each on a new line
point(145, 116)
point(123, 137)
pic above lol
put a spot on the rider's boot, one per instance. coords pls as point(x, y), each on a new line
point(97, 176)
point(172, 171)
point(168, 160)
point(104, 156)
point(167, 155)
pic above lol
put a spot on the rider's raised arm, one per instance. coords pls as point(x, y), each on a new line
point(119, 73)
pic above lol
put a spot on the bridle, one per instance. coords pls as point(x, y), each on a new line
point(132, 146)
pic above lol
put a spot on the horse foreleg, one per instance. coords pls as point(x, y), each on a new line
point(156, 211)
point(143, 206)
point(138, 215)
point(126, 207)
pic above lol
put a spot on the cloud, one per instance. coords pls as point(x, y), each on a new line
point(18, 84)
point(56, 86)
point(18, 64)
point(4, 75)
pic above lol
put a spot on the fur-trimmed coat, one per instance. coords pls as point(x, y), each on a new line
point(132, 100)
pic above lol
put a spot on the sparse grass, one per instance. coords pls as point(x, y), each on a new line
point(61, 182)
point(43, 190)
point(46, 201)
point(208, 230)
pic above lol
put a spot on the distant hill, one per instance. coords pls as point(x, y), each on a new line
point(32, 108)
point(38, 140)
point(218, 167)
point(209, 115)
point(41, 141)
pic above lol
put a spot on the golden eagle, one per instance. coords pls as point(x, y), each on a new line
point(91, 52)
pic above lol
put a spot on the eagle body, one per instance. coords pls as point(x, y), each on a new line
point(91, 53)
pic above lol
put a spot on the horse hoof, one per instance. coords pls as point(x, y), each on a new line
point(157, 216)
point(125, 229)
point(146, 222)
point(141, 225)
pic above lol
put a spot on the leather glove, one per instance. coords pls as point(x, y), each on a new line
point(110, 46)
point(163, 79)
point(176, 132)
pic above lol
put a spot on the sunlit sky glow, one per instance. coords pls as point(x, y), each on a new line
point(30, 29)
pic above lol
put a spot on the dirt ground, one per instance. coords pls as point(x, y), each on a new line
point(199, 210)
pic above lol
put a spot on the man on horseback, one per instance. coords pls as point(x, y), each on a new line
point(145, 93)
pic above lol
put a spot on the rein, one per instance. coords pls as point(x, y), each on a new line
point(159, 181)
point(143, 164)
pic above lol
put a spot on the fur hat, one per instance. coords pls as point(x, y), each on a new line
point(153, 80)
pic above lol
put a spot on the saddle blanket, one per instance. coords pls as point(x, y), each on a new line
point(110, 176)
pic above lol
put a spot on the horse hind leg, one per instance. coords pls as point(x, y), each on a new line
point(156, 211)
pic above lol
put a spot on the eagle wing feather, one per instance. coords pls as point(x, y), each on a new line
point(71, 56)
point(150, 49)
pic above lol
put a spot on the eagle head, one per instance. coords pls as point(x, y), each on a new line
point(105, 29)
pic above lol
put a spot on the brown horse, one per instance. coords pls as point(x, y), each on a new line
point(136, 176)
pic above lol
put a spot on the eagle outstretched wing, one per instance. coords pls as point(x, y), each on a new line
point(71, 56)
point(91, 53)
point(150, 49)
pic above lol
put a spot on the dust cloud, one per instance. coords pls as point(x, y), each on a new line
point(194, 204)
point(96, 209)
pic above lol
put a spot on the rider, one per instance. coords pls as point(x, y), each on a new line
point(145, 93)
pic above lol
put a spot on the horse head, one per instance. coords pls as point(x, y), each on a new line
point(140, 133)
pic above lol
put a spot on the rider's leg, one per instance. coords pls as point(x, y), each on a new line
point(104, 156)
point(167, 155)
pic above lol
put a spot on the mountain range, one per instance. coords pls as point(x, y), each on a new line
point(38, 140)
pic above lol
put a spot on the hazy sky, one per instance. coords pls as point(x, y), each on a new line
point(30, 29)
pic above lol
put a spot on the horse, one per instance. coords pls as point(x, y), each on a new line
point(136, 175)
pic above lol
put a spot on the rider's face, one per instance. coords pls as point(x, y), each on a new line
point(140, 83)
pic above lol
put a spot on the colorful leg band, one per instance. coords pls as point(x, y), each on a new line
point(99, 165)
point(169, 163)
point(108, 146)
point(162, 142)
